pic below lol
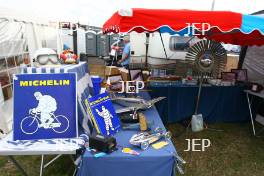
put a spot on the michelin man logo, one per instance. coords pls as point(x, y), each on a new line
point(106, 115)
point(43, 116)
point(47, 105)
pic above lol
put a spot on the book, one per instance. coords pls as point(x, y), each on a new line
point(45, 106)
point(103, 115)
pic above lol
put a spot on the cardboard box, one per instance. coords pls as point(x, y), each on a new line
point(232, 62)
point(125, 74)
point(145, 75)
point(111, 70)
point(97, 70)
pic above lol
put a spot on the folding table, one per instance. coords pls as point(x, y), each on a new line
point(253, 94)
point(58, 147)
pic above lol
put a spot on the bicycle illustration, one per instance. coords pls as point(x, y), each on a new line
point(30, 124)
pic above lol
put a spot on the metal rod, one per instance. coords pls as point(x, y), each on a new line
point(199, 95)
point(75, 166)
point(163, 45)
point(147, 47)
point(41, 166)
point(75, 172)
point(251, 116)
point(51, 161)
point(213, 5)
point(17, 165)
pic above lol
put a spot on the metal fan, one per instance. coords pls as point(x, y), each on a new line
point(209, 57)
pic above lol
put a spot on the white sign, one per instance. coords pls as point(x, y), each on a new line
point(131, 86)
point(192, 27)
point(197, 145)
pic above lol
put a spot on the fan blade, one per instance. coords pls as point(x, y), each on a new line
point(218, 57)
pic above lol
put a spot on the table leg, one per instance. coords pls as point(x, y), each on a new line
point(41, 166)
point(51, 161)
point(17, 165)
point(76, 164)
point(251, 116)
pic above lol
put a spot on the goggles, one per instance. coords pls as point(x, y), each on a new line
point(44, 59)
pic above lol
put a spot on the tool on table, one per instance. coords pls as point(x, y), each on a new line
point(130, 151)
point(160, 145)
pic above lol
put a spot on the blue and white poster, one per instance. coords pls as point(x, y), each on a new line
point(45, 106)
point(103, 114)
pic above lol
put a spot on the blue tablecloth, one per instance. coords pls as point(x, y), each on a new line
point(150, 162)
point(217, 103)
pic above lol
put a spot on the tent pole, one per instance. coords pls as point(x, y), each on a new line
point(75, 42)
point(199, 94)
point(163, 45)
point(213, 5)
point(242, 56)
point(147, 47)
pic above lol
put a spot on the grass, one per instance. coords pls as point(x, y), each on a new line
point(62, 167)
point(234, 152)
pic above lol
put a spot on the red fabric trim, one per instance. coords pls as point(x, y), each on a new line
point(151, 19)
point(225, 24)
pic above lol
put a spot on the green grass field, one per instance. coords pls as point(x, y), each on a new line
point(234, 152)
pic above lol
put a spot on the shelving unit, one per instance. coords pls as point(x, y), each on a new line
point(8, 66)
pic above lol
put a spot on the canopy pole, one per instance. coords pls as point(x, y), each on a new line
point(242, 56)
point(75, 42)
point(213, 5)
point(147, 47)
point(199, 95)
point(163, 45)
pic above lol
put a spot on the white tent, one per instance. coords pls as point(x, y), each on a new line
point(23, 32)
point(254, 61)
